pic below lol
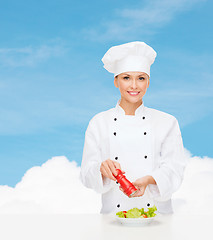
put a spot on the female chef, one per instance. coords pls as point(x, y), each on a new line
point(145, 143)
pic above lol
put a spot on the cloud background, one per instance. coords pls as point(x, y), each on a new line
point(55, 188)
point(141, 18)
point(52, 82)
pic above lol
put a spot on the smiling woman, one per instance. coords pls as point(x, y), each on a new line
point(132, 86)
point(143, 143)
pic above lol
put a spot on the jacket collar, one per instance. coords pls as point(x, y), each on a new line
point(138, 112)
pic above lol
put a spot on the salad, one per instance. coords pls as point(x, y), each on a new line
point(138, 213)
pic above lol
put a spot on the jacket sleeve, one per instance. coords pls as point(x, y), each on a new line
point(170, 171)
point(90, 174)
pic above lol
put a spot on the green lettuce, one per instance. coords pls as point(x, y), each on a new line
point(136, 212)
point(133, 213)
point(151, 211)
point(120, 214)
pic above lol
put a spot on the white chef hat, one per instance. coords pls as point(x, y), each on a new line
point(129, 57)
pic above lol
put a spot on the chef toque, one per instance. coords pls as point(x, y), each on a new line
point(129, 57)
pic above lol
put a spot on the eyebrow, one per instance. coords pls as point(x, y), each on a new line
point(143, 75)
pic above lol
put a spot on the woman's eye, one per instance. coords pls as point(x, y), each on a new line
point(126, 78)
point(141, 78)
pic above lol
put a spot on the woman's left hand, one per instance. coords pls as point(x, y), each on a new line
point(141, 184)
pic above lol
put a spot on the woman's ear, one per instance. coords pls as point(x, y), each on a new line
point(116, 81)
point(148, 82)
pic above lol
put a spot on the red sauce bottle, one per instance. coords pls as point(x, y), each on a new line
point(125, 184)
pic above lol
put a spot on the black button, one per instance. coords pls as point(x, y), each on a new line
point(143, 117)
point(144, 133)
point(115, 119)
point(116, 158)
point(114, 133)
point(117, 182)
point(118, 205)
point(145, 156)
point(148, 204)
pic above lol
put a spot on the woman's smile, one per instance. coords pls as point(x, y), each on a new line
point(133, 93)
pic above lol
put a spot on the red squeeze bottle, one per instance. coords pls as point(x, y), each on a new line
point(125, 184)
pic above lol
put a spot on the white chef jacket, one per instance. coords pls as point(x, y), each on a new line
point(147, 143)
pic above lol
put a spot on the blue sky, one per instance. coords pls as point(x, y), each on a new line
point(52, 80)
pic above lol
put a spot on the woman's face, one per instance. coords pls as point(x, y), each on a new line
point(132, 85)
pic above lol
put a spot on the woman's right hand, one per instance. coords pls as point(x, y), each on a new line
point(108, 168)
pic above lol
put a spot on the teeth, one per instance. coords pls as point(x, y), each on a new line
point(133, 93)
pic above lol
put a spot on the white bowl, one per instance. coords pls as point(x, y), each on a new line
point(135, 221)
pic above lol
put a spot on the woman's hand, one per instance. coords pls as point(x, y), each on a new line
point(108, 168)
point(141, 184)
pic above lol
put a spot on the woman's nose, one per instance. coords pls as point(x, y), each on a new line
point(133, 84)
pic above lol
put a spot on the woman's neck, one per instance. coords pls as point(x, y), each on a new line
point(128, 107)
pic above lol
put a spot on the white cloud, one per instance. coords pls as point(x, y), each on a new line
point(55, 187)
point(157, 12)
point(196, 193)
point(127, 23)
point(28, 56)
